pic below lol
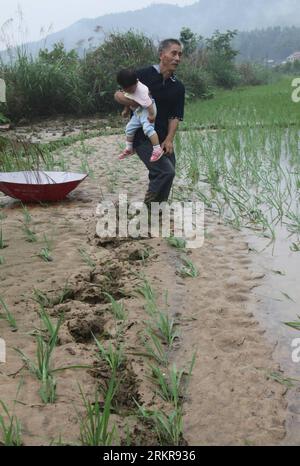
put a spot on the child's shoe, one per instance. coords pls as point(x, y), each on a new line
point(156, 154)
point(126, 153)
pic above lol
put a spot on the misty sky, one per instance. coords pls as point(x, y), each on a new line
point(53, 15)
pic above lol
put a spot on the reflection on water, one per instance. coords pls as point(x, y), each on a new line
point(279, 298)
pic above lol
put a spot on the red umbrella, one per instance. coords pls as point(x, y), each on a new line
point(32, 186)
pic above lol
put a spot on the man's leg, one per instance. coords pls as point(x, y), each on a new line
point(161, 173)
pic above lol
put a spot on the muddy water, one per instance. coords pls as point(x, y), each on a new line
point(281, 282)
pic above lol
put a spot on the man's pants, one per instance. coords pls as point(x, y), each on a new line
point(161, 173)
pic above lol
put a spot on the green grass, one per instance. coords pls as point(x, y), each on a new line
point(178, 243)
point(117, 308)
point(3, 244)
point(42, 367)
point(8, 316)
point(87, 258)
point(94, 424)
point(168, 426)
point(270, 105)
point(112, 356)
point(10, 428)
point(188, 269)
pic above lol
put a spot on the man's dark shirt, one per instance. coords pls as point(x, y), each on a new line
point(169, 99)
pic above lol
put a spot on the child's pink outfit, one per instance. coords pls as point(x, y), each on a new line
point(140, 119)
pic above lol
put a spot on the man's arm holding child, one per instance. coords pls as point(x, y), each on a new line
point(121, 99)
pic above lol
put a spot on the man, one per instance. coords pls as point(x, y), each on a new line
point(168, 93)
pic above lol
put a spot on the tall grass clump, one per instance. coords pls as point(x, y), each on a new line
point(49, 84)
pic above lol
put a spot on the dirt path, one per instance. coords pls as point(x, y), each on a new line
point(230, 399)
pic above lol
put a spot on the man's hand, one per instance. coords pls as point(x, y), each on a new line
point(121, 99)
point(167, 146)
point(125, 112)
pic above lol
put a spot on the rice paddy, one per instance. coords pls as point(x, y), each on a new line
point(239, 154)
point(247, 169)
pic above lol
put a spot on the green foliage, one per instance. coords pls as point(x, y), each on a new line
point(197, 81)
point(52, 83)
point(120, 50)
point(60, 82)
point(220, 59)
point(3, 118)
point(189, 40)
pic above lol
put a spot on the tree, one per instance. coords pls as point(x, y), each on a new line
point(189, 40)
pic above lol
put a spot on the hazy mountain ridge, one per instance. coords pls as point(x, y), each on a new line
point(163, 20)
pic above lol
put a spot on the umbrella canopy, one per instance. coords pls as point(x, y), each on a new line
point(39, 186)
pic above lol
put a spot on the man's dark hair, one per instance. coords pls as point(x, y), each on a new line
point(166, 43)
point(127, 78)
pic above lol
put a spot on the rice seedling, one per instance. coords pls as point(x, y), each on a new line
point(26, 215)
point(154, 348)
point(87, 258)
point(117, 308)
point(189, 269)
point(147, 292)
point(10, 428)
point(287, 296)
point(45, 252)
point(178, 243)
point(49, 326)
point(168, 427)
point(163, 326)
point(295, 325)
point(287, 381)
point(3, 244)
point(41, 298)
point(114, 357)
point(42, 367)
point(44, 300)
point(8, 316)
point(169, 384)
point(85, 166)
point(30, 234)
point(2, 260)
point(94, 426)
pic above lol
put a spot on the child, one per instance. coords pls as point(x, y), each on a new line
point(144, 113)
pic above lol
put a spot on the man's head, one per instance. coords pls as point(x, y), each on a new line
point(170, 52)
point(127, 79)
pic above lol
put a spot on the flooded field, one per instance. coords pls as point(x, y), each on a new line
point(172, 357)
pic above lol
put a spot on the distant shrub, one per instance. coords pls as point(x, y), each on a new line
point(251, 74)
point(197, 81)
point(289, 67)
